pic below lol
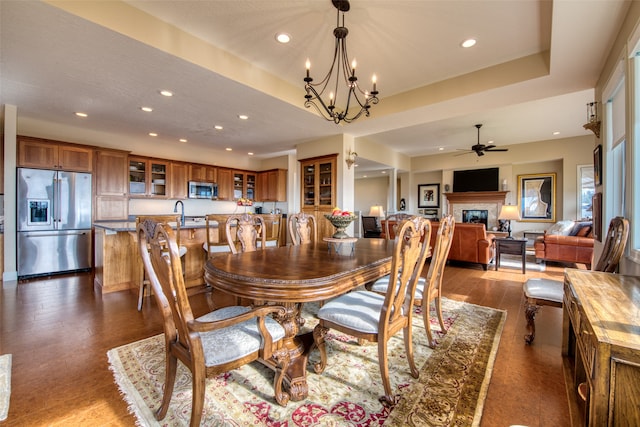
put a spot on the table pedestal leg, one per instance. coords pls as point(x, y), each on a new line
point(299, 347)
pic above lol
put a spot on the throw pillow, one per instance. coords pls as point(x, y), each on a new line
point(584, 231)
point(561, 228)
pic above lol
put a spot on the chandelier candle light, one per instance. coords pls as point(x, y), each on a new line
point(343, 68)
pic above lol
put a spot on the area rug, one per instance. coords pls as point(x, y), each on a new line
point(5, 385)
point(450, 391)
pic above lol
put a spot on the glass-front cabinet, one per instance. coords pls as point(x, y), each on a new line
point(244, 185)
point(147, 177)
point(318, 186)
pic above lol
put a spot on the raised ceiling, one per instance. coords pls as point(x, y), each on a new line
point(531, 73)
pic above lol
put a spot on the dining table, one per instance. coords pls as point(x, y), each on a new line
point(292, 275)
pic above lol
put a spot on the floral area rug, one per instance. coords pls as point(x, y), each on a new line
point(5, 385)
point(450, 391)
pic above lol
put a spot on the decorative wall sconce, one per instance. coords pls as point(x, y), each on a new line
point(351, 158)
point(593, 120)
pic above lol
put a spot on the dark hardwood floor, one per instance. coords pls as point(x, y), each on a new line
point(59, 330)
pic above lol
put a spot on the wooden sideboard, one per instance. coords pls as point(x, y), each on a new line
point(601, 347)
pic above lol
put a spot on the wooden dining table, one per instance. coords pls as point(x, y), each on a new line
point(292, 275)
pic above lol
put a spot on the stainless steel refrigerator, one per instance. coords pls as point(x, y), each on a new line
point(54, 221)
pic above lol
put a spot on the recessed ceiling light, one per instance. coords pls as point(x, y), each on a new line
point(243, 116)
point(229, 149)
point(153, 134)
point(218, 127)
point(384, 172)
point(250, 153)
point(166, 93)
point(146, 109)
point(283, 38)
point(441, 149)
point(182, 140)
point(489, 142)
point(556, 133)
point(80, 114)
point(468, 43)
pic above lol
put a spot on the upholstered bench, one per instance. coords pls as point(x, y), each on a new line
point(540, 292)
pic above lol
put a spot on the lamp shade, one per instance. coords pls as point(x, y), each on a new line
point(509, 212)
point(376, 211)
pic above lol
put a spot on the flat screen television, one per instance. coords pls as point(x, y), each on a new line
point(476, 180)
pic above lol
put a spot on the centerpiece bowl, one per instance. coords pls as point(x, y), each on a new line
point(340, 222)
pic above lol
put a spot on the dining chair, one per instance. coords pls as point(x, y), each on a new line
point(540, 292)
point(303, 228)
point(143, 280)
point(373, 317)
point(218, 244)
point(429, 288)
point(245, 233)
point(272, 224)
point(396, 219)
point(217, 342)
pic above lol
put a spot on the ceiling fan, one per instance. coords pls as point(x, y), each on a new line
point(479, 149)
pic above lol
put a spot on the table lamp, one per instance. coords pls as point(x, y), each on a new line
point(509, 213)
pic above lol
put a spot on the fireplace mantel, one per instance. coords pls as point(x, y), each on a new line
point(477, 197)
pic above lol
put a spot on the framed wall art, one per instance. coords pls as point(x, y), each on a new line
point(537, 197)
point(597, 216)
point(429, 195)
point(597, 165)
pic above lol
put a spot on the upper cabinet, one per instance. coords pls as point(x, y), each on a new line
point(225, 184)
point(47, 154)
point(179, 178)
point(203, 173)
point(272, 186)
point(148, 177)
point(318, 182)
point(244, 185)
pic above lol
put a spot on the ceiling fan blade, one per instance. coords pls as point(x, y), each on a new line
point(497, 149)
point(461, 154)
point(480, 153)
point(489, 147)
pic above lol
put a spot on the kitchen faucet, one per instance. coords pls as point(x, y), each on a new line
point(175, 209)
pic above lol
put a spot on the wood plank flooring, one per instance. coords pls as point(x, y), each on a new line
point(59, 330)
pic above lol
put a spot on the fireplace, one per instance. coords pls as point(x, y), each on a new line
point(472, 201)
point(476, 216)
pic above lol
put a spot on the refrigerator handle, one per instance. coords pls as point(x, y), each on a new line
point(56, 204)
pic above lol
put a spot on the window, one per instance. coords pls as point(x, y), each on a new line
point(586, 190)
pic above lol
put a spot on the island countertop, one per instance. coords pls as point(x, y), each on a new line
point(131, 225)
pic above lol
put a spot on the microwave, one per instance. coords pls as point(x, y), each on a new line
point(203, 190)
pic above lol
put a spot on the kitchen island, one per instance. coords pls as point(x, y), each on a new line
point(117, 262)
point(118, 265)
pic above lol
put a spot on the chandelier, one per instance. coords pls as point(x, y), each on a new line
point(345, 70)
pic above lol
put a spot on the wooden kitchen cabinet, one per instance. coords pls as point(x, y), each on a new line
point(225, 184)
point(47, 154)
point(203, 173)
point(148, 177)
point(111, 180)
point(318, 186)
point(272, 186)
point(179, 180)
point(601, 347)
point(244, 185)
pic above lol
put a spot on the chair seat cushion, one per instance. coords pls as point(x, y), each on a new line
point(216, 248)
point(359, 310)
point(231, 343)
point(549, 290)
point(381, 285)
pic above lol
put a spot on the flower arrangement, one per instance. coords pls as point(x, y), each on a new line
point(245, 202)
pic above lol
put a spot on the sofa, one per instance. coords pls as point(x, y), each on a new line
point(471, 243)
point(566, 241)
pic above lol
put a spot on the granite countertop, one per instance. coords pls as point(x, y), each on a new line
point(131, 225)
